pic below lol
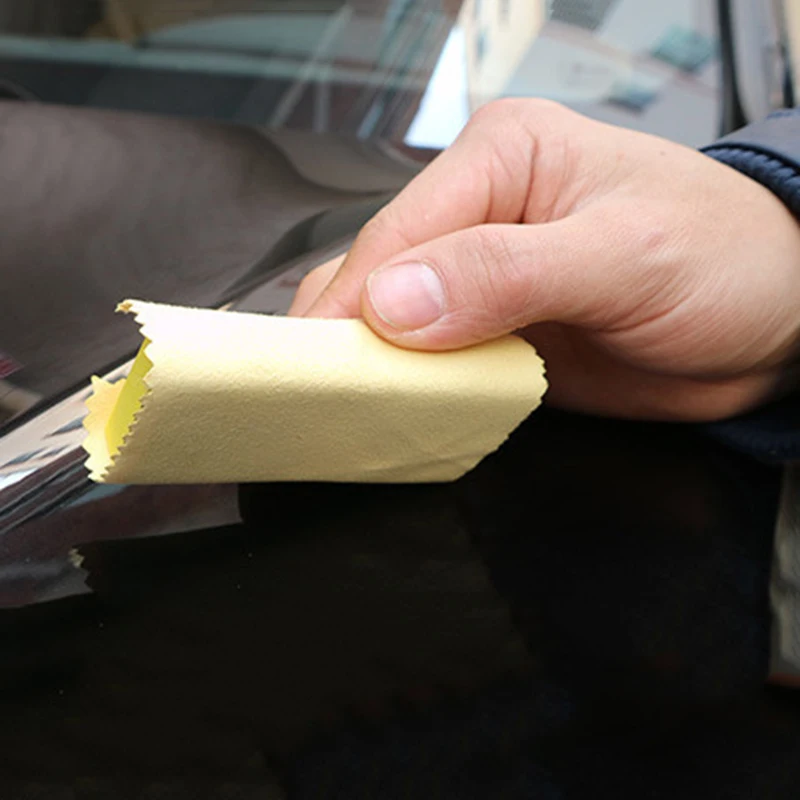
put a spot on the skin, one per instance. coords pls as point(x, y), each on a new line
point(656, 282)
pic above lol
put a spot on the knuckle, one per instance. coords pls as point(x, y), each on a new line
point(497, 116)
point(525, 111)
point(502, 277)
point(495, 110)
point(516, 137)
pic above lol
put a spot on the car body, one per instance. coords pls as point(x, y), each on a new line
point(207, 155)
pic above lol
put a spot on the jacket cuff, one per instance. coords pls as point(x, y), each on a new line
point(771, 434)
point(768, 152)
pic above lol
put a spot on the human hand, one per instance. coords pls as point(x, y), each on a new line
point(656, 282)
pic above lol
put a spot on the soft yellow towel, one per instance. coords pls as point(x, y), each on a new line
point(217, 397)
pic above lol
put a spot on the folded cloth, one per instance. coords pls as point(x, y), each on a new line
point(217, 397)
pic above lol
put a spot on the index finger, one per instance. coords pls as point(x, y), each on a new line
point(484, 177)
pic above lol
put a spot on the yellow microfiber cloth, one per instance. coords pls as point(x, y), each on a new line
point(218, 397)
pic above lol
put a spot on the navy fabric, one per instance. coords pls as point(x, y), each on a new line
point(771, 433)
point(768, 152)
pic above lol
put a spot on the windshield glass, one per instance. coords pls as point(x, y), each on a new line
point(408, 70)
point(335, 105)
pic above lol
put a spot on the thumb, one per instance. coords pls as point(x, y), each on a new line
point(487, 281)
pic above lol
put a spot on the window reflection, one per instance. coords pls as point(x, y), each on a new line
point(352, 67)
point(363, 67)
point(649, 66)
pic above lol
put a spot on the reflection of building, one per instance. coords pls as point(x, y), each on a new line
point(655, 71)
point(497, 35)
point(646, 66)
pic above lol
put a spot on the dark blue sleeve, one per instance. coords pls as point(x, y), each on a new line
point(768, 152)
point(772, 433)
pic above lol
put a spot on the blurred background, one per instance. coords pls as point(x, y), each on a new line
point(410, 68)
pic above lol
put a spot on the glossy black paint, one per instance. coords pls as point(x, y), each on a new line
point(584, 614)
point(111, 205)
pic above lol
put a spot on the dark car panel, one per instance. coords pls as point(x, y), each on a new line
point(586, 614)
